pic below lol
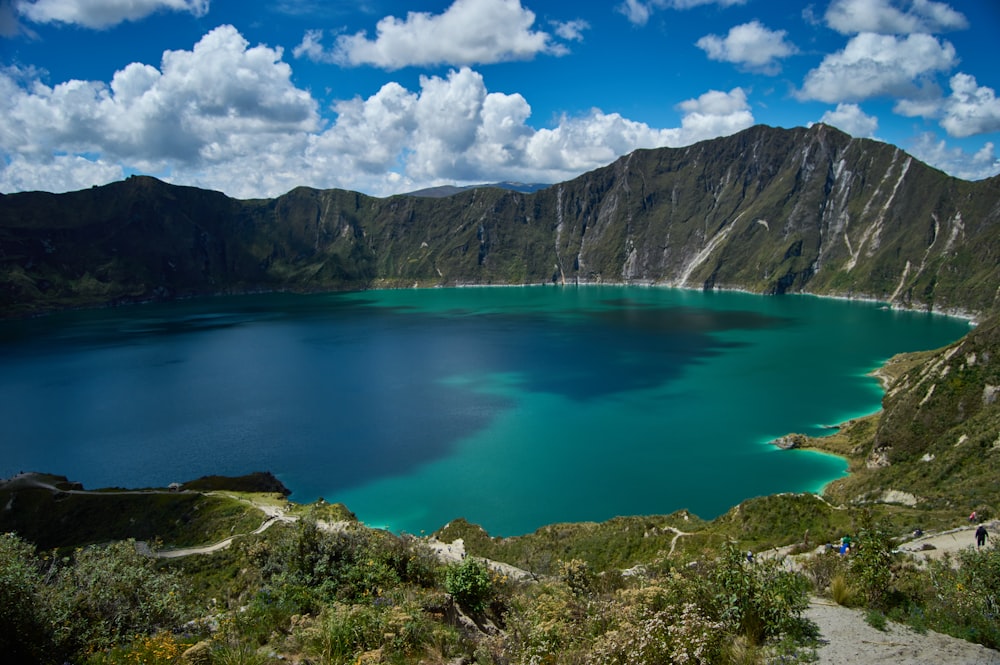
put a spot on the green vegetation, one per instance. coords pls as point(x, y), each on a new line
point(58, 608)
point(340, 592)
point(62, 519)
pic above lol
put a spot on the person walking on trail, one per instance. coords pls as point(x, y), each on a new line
point(981, 536)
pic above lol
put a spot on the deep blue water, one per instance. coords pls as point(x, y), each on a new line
point(511, 407)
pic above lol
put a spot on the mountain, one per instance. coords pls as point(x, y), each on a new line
point(448, 190)
point(766, 210)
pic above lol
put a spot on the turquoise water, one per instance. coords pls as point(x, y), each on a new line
point(512, 407)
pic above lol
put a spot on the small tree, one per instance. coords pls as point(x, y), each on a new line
point(758, 599)
point(872, 562)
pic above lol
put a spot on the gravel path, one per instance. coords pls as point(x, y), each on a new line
point(848, 640)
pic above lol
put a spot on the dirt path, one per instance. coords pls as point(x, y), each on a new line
point(936, 545)
point(847, 639)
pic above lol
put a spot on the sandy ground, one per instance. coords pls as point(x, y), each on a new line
point(847, 638)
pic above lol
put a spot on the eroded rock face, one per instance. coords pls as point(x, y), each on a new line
point(897, 496)
point(878, 458)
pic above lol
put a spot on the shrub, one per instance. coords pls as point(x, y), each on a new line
point(159, 649)
point(543, 621)
point(577, 576)
point(876, 619)
point(24, 611)
point(471, 584)
point(343, 632)
point(758, 599)
point(674, 634)
point(112, 593)
point(822, 569)
point(966, 599)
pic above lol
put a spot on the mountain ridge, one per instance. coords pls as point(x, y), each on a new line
point(805, 210)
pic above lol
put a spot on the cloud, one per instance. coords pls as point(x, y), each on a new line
point(218, 102)
point(713, 114)
point(971, 108)
point(873, 65)
point(851, 119)
point(59, 173)
point(969, 166)
point(639, 11)
point(100, 14)
point(571, 31)
point(226, 116)
point(468, 32)
point(750, 45)
point(883, 16)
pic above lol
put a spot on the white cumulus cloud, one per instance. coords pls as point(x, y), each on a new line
point(971, 108)
point(219, 102)
point(226, 116)
point(874, 65)
point(468, 32)
point(750, 45)
point(851, 119)
point(101, 14)
point(886, 16)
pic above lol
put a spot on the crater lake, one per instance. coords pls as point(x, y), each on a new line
point(513, 407)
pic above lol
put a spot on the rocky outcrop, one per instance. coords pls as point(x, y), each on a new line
point(789, 441)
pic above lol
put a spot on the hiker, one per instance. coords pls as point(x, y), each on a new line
point(845, 545)
point(972, 517)
point(749, 556)
point(981, 536)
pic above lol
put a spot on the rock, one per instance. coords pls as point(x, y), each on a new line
point(789, 441)
point(878, 458)
point(198, 654)
point(896, 496)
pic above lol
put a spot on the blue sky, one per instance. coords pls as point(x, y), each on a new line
point(254, 98)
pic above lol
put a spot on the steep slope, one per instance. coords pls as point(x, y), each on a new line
point(767, 210)
point(775, 211)
point(939, 434)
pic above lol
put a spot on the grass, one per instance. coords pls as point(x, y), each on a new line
point(841, 591)
point(61, 520)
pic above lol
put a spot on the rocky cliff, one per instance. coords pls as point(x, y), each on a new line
point(766, 210)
